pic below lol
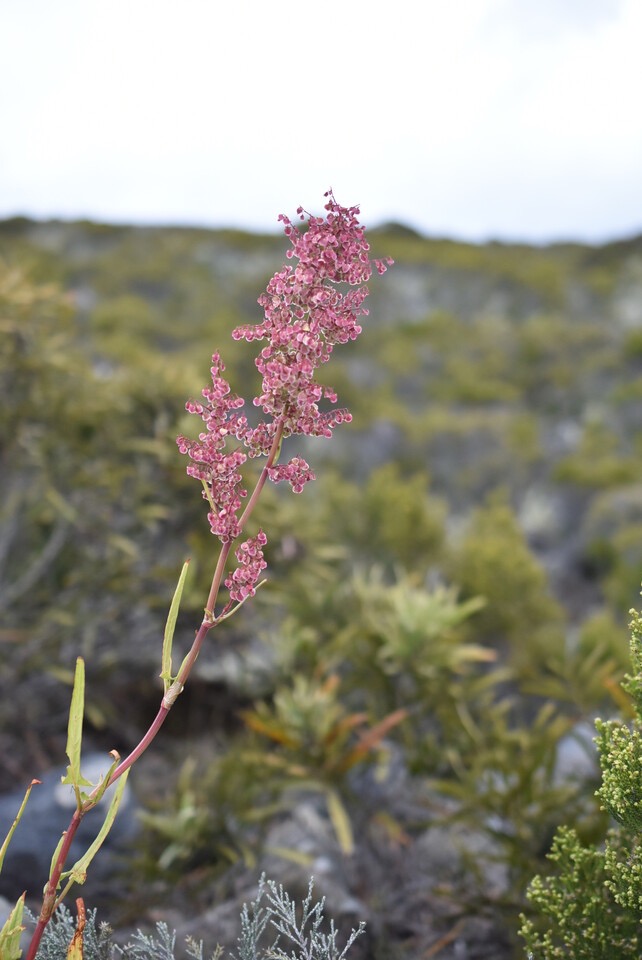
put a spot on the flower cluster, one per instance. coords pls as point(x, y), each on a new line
point(249, 556)
point(307, 310)
point(211, 463)
point(305, 315)
point(297, 473)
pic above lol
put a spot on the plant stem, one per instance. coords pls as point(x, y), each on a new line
point(256, 493)
point(272, 456)
point(49, 902)
point(49, 897)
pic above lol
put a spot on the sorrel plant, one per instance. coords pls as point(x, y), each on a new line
point(308, 309)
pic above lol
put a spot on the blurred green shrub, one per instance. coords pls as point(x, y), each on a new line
point(521, 617)
point(599, 461)
point(391, 520)
point(509, 783)
point(88, 496)
point(318, 742)
point(613, 543)
point(213, 816)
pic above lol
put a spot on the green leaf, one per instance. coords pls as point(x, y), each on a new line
point(78, 872)
point(208, 495)
point(294, 856)
point(166, 663)
point(3, 848)
point(104, 783)
point(60, 505)
point(340, 822)
point(10, 933)
point(54, 856)
point(74, 733)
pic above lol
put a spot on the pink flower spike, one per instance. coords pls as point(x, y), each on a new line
point(309, 307)
point(306, 313)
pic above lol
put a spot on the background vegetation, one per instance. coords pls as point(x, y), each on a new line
point(447, 604)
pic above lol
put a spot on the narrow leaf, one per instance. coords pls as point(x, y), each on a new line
point(371, 738)
point(268, 728)
point(54, 856)
point(104, 783)
point(294, 856)
point(340, 822)
point(62, 508)
point(393, 829)
point(74, 732)
point(344, 726)
point(78, 872)
point(166, 663)
point(3, 848)
point(11, 931)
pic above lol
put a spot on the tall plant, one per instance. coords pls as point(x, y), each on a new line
point(308, 309)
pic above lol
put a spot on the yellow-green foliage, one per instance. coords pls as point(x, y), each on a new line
point(603, 631)
point(508, 778)
point(87, 485)
point(554, 355)
point(541, 270)
point(614, 543)
point(392, 519)
point(213, 816)
point(578, 915)
point(493, 561)
point(590, 907)
point(594, 668)
point(599, 461)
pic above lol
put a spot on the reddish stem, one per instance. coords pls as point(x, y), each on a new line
point(49, 897)
point(256, 493)
point(50, 902)
point(260, 483)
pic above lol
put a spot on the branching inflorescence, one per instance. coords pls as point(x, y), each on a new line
point(306, 313)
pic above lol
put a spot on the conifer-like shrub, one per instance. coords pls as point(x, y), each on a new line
point(590, 906)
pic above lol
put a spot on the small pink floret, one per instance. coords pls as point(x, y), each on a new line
point(242, 582)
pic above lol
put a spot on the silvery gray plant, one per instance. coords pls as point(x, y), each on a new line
point(272, 927)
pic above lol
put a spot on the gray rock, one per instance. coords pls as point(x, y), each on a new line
point(303, 845)
point(444, 854)
point(577, 757)
point(5, 910)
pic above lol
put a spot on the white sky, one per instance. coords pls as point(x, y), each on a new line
point(516, 119)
